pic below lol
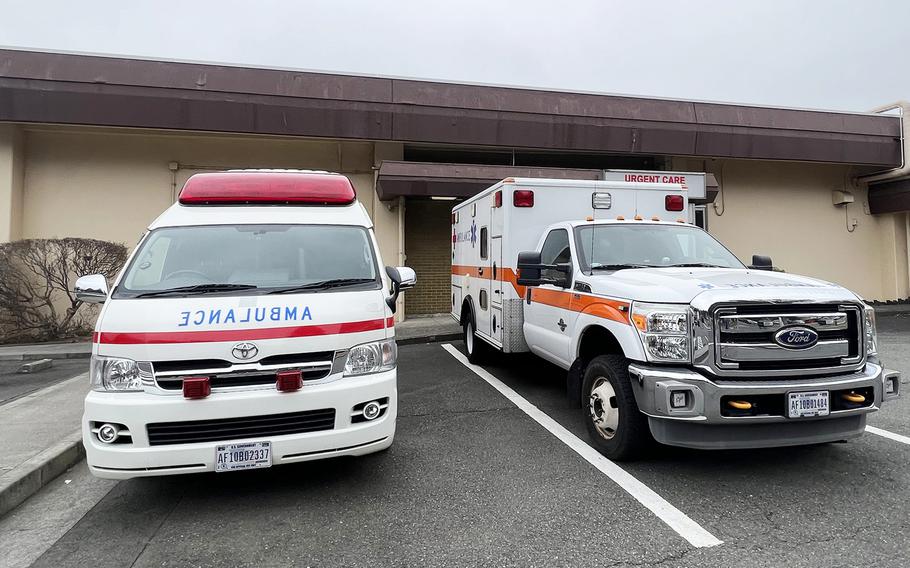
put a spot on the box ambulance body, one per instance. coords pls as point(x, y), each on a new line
point(664, 333)
point(252, 326)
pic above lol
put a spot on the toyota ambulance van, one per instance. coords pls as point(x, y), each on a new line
point(251, 327)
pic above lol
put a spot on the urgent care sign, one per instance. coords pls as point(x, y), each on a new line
point(694, 182)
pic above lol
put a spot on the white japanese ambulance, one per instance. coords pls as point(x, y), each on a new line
point(664, 333)
point(252, 326)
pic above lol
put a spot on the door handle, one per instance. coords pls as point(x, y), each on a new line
point(480, 271)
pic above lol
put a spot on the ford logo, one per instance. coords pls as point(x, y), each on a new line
point(796, 337)
point(244, 351)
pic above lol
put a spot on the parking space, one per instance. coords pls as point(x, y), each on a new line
point(473, 480)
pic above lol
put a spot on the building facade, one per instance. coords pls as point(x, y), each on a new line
point(97, 147)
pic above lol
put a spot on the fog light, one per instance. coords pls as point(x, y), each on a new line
point(108, 433)
point(371, 410)
point(678, 399)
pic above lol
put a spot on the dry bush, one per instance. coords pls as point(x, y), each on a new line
point(36, 286)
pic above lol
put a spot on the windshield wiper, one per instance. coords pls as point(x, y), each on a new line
point(694, 265)
point(599, 266)
point(196, 289)
point(323, 285)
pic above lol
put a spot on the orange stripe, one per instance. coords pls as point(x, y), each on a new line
point(599, 307)
point(574, 302)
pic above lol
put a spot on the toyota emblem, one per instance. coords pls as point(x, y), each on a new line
point(244, 351)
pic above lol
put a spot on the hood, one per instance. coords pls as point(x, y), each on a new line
point(683, 285)
point(208, 327)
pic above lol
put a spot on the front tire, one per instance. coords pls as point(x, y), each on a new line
point(617, 428)
point(476, 348)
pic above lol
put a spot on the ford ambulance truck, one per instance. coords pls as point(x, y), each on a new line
point(252, 326)
point(665, 334)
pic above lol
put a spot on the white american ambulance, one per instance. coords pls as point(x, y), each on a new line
point(252, 326)
point(665, 334)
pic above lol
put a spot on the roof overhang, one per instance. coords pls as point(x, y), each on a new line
point(889, 196)
point(425, 179)
point(38, 87)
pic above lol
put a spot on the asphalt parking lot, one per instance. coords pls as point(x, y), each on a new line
point(472, 480)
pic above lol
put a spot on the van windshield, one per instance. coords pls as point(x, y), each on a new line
point(250, 259)
point(612, 247)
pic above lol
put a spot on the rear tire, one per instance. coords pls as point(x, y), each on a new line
point(476, 348)
point(617, 428)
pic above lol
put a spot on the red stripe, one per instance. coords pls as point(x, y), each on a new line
point(156, 337)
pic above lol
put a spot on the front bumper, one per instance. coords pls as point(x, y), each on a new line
point(137, 410)
point(702, 424)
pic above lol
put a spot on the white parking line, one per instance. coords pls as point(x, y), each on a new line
point(887, 434)
point(673, 517)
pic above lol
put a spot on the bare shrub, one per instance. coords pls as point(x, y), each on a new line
point(36, 286)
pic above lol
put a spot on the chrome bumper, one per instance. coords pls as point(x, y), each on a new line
point(701, 423)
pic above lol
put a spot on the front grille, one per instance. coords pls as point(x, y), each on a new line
point(745, 337)
point(196, 431)
point(222, 374)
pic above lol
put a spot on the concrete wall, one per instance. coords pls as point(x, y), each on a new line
point(785, 210)
point(12, 172)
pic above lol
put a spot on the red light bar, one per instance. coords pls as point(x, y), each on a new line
point(674, 202)
point(289, 381)
point(523, 198)
point(267, 188)
point(196, 387)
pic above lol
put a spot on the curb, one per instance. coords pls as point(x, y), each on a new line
point(25, 480)
point(36, 356)
point(430, 339)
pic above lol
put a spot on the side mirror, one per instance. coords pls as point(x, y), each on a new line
point(402, 278)
point(91, 289)
point(529, 271)
point(760, 262)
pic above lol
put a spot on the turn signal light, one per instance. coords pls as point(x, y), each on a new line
point(523, 198)
point(674, 202)
point(289, 381)
point(196, 387)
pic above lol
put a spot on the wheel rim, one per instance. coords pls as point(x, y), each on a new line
point(603, 408)
point(469, 337)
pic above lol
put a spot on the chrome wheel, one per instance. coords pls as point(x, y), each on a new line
point(603, 408)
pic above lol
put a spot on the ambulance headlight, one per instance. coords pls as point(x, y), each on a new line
point(371, 358)
point(664, 331)
point(118, 374)
point(871, 333)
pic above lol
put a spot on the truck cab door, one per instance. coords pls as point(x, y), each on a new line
point(548, 320)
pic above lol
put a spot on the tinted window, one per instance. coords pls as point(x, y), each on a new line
point(483, 243)
point(555, 251)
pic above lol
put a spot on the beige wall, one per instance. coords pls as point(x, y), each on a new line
point(785, 210)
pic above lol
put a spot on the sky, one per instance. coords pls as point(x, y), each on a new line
point(836, 54)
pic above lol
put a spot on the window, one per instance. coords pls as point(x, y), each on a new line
point(484, 253)
point(264, 256)
point(555, 251)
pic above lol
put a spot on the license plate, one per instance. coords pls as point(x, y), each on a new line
point(804, 404)
point(249, 455)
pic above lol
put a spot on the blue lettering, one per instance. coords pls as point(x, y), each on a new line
point(229, 316)
point(186, 318)
point(306, 314)
point(276, 313)
point(290, 313)
point(247, 316)
point(200, 317)
point(258, 317)
point(214, 316)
